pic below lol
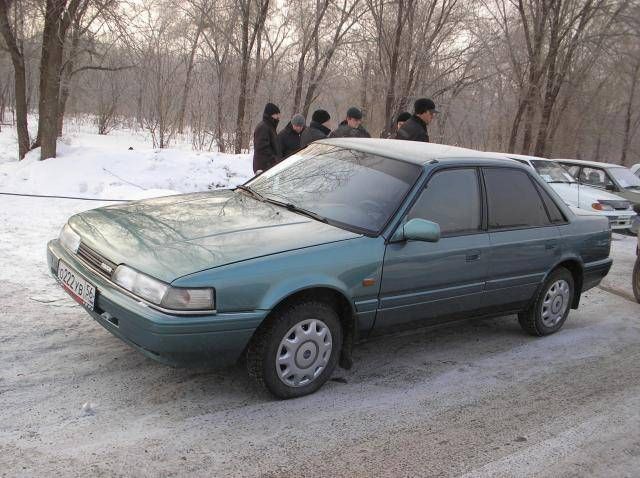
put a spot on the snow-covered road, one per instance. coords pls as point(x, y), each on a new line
point(476, 398)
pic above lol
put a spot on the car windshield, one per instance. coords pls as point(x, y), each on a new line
point(625, 178)
point(348, 188)
point(552, 172)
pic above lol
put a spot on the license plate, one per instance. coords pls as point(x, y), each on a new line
point(80, 289)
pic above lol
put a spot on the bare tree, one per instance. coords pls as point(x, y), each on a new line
point(12, 38)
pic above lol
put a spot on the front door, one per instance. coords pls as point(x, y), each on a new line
point(423, 280)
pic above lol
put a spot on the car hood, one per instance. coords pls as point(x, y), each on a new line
point(174, 236)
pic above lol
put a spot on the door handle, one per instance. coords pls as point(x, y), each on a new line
point(473, 256)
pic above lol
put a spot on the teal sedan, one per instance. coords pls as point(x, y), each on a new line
point(346, 238)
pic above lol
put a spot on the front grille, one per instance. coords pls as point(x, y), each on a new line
point(101, 265)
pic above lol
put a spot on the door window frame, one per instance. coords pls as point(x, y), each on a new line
point(482, 199)
point(536, 188)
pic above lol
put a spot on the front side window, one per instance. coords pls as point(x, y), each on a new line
point(451, 199)
point(572, 168)
point(625, 178)
point(595, 177)
point(513, 200)
point(349, 188)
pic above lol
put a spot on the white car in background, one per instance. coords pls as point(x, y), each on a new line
point(618, 210)
point(635, 169)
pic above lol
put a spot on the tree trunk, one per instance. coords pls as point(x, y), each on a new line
point(626, 138)
point(187, 81)
point(393, 66)
point(297, 95)
point(17, 58)
point(244, 73)
point(21, 110)
point(50, 69)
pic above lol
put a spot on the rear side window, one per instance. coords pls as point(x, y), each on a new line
point(555, 214)
point(513, 200)
point(452, 199)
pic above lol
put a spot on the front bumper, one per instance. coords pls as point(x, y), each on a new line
point(216, 340)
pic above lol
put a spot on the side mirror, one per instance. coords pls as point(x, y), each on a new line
point(610, 187)
point(417, 230)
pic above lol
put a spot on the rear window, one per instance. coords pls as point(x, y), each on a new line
point(513, 200)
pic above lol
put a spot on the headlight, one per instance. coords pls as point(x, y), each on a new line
point(598, 206)
point(69, 239)
point(159, 293)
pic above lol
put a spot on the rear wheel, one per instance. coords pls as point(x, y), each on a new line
point(295, 352)
point(636, 279)
point(552, 305)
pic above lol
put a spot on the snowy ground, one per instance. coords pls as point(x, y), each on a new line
point(89, 165)
point(478, 398)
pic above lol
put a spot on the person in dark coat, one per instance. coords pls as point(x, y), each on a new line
point(266, 150)
point(351, 127)
point(318, 128)
point(401, 119)
point(415, 129)
point(289, 137)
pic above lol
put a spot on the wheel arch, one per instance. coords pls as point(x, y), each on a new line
point(575, 267)
point(339, 301)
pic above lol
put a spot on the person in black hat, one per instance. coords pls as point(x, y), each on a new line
point(289, 137)
point(401, 119)
point(351, 127)
point(318, 128)
point(415, 129)
point(266, 150)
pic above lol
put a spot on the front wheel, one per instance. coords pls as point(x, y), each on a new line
point(636, 279)
point(295, 352)
point(552, 305)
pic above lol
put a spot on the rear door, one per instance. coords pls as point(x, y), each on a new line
point(423, 280)
point(522, 220)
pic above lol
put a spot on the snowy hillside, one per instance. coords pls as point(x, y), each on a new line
point(90, 165)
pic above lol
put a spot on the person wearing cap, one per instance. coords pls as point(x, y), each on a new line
point(318, 128)
point(289, 137)
point(401, 119)
point(266, 149)
point(351, 127)
point(415, 128)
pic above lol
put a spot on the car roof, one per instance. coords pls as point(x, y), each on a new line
point(525, 156)
point(412, 151)
point(596, 164)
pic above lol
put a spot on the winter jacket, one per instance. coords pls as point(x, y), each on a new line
point(414, 129)
point(346, 131)
point(314, 132)
point(266, 150)
point(289, 141)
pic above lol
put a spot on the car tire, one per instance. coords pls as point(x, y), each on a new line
point(296, 350)
point(636, 280)
point(551, 307)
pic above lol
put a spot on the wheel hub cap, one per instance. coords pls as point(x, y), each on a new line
point(303, 353)
point(556, 302)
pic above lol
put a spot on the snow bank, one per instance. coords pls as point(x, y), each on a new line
point(90, 165)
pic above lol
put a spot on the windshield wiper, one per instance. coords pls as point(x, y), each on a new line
point(253, 193)
point(560, 182)
point(299, 210)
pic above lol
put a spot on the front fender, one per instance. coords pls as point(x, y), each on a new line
point(292, 285)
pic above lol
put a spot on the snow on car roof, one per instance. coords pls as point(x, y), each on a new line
point(589, 163)
point(413, 151)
